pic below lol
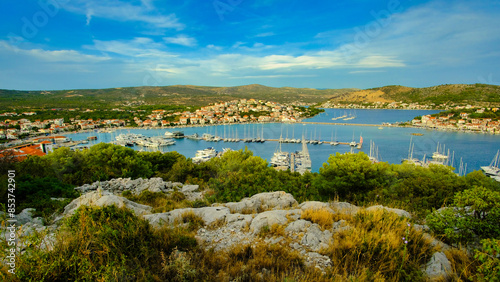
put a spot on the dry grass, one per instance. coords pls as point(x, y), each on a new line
point(260, 262)
point(374, 244)
point(323, 217)
point(192, 220)
point(462, 265)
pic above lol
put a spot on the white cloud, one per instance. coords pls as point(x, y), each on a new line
point(265, 34)
point(138, 47)
point(121, 11)
point(181, 39)
point(50, 55)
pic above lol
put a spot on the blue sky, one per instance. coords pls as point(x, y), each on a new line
point(72, 44)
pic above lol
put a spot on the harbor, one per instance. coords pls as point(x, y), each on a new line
point(327, 139)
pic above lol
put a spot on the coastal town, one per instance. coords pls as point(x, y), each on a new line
point(19, 125)
point(463, 121)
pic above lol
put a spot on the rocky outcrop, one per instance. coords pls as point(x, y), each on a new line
point(136, 186)
point(270, 218)
point(438, 268)
point(399, 212)
point(104, 198)
point(262, 202)
point(209, 215)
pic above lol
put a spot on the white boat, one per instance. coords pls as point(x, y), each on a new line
point(410, 159)
point(204, 155)
point(493, 169)
point(301, 161)
point(280, 160)
point(169, 134)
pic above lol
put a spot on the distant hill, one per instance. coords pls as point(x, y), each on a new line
point(458, 93)
point(174, 95)
point(191, 95)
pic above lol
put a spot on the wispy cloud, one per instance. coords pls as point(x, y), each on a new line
point(181, 39)
point(135, 48)
point(50, 55)
point(123, 11)
point(265, 34)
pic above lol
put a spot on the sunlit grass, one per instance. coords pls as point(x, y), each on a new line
point(374, 244)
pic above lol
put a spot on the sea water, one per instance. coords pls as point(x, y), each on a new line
point(392, 143)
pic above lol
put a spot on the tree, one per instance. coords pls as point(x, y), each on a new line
point(475, 215)
point(350, 176)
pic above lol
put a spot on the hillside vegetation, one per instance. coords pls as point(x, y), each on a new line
point(474, 94)
point(170, 95)
point(111, 244)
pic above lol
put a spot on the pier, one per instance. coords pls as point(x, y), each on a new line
point(342, 123)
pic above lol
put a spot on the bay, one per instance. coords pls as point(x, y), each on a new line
point(393, 142)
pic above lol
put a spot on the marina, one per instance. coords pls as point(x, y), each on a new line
point(392, 142)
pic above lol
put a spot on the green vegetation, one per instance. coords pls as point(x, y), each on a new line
point(450, 93)
point(112, 245)
point(475, 216)
point(181, 95)
point(472, 114)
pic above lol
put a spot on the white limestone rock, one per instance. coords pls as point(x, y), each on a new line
point(399, 212)
point(438, 268)
point(269, 218)
point(105, 198)
point(263, 201)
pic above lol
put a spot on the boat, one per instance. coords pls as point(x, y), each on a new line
point(194, 136)
point(178, 134)
point(493, 169)
point(334, 143)
point(353, 143)
point(300, 161)
point(169, 134)
point(438, 156)
point(92, 138)
point(280, 160)
point(204, 155)
point(410, 159)
point(374, 156)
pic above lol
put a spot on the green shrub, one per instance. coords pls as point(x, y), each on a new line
point(489, 257)
point(475, 216)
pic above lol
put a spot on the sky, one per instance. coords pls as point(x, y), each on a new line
point(83, 44)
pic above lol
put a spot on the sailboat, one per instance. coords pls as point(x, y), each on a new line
point(280, 160)
point(410, 159)
point(334, 143)
point(353, 143)
point(493, 169)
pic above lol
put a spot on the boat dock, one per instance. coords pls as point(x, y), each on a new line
point(343, 123)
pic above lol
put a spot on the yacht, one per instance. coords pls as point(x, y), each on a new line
point(493, 169)
point(169, 134)
point(194, 136)
point(204, 155)
point(178, 134)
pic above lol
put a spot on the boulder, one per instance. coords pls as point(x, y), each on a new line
point(25, 216)
point(238, 221)
point(315, 205)
point(269, 218)
point(208, 214)
point(438, 268)
point(316, 239)
point(344, 208)
point(263, 201)
point(189, 188)
point(298, 226)
point(399, 212)
point(104, 198)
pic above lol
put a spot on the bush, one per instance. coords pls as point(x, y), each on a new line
point(103, 244)
point(489, 257)
point(475, 216)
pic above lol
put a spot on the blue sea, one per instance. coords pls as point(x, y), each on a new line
point(392, 142)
